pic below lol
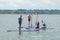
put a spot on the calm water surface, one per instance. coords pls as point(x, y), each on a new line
point(10, 21)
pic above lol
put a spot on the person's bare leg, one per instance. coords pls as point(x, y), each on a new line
point(28, 24)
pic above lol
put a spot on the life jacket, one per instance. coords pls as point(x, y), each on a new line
point(20, 19)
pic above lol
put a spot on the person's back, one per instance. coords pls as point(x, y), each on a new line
point(44, 25)
point(37, 24)
point(20, 19)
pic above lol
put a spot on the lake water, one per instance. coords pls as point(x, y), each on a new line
point(10, 21)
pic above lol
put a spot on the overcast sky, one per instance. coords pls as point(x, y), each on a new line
point(29, 4)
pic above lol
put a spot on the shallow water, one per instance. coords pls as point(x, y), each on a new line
point(10, 21)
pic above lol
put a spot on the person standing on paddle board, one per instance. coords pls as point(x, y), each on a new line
point(20, 23)
point(29, 19)
point(20, 20)
point(44, 25)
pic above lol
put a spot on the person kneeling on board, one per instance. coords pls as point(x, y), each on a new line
point(37, 25)
point(44, 25)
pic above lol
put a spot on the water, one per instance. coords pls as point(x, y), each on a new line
point(10, 21)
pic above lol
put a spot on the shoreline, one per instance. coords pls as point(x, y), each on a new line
point(28, 14)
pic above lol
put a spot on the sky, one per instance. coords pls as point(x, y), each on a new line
point(29, 4)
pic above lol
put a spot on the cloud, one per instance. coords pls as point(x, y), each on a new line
point(47, 1)
point(29, 4)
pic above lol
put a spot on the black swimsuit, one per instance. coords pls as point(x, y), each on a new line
point(37, 25)
point(29, 19)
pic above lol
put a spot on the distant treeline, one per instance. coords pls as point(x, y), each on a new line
point(24, 11)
